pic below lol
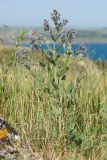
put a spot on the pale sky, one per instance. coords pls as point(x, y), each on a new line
point(80, 13)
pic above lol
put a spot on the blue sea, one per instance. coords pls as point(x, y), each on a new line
point(95, 51)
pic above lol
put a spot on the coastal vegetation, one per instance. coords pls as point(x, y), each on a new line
point(56, 102)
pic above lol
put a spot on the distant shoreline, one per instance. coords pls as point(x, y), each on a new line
point(94, 42)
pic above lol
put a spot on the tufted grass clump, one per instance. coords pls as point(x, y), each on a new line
point(57, 103)
point(70, 120)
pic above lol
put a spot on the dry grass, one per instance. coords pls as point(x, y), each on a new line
point(45, 119)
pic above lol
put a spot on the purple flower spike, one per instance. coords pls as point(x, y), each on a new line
point(46, 25)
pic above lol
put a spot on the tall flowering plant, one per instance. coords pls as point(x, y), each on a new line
point(51, 62)
point(52, 71)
